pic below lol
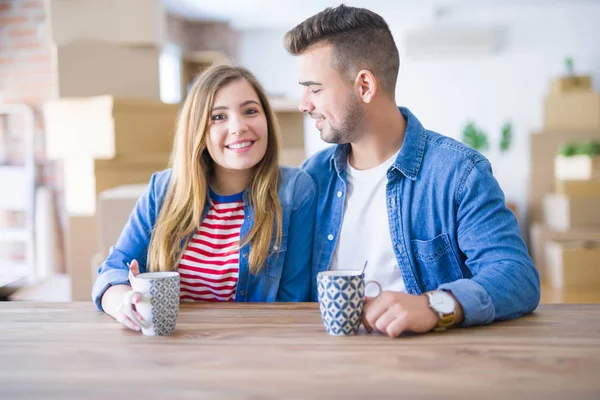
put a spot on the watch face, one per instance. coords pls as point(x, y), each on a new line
point(442, 302)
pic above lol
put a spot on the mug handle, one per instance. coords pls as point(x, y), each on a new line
point(376, 283)
point(128, 308)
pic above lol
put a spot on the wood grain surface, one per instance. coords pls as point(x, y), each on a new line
point(275, 351)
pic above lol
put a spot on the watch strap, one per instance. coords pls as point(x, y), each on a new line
point(444, 321)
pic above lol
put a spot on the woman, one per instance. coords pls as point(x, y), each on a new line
point(234, 224)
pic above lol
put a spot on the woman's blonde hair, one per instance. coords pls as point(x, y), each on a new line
point(187, 194)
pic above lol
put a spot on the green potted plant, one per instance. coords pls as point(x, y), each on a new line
point(578, 161)
point(506, 137)
point(570, 66)
point(474, 137)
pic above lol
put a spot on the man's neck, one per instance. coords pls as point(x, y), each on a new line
point(226, 182)
point(382, 139)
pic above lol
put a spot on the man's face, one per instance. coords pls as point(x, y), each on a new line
point(329, 100)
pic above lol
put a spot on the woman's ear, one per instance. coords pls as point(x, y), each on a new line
point(365, 85)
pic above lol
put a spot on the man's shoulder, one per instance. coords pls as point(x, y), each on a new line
point(320, 162)
point(451, 150)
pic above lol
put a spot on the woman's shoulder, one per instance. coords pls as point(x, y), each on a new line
point(162, 177)
point(159, 183)
point(296, 185)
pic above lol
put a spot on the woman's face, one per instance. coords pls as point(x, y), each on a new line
point(237, 131)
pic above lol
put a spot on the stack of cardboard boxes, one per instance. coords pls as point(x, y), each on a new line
point(100, 50)
point(108, 125)
point(564, 198)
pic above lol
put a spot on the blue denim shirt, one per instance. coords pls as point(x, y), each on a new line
point(285, 275)
point(449, 224)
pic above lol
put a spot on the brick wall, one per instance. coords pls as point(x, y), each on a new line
point(27, 75)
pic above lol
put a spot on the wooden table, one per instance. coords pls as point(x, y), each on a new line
point(258, 351)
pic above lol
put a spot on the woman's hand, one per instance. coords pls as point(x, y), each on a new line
point(112, 300)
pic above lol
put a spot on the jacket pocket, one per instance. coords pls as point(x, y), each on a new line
point(435, 261)
point(276, 259)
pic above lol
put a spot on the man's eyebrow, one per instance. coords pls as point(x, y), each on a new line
point(309, 83)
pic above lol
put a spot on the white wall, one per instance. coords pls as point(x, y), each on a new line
point(445, 93)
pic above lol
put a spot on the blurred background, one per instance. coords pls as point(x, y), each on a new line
point(89, 92)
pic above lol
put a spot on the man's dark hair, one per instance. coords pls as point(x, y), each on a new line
point(360, 39)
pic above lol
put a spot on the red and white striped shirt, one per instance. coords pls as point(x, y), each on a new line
point(209, 266)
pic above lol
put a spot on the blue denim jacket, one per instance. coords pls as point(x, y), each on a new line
point(449, 225)
point(285, 275)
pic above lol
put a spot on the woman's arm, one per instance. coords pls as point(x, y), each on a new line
point(295, 278)
point(131, 245)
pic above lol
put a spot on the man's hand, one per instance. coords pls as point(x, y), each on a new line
point(393, 313)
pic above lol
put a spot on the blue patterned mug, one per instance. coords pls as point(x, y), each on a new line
point(159, 305)
point(341, 300)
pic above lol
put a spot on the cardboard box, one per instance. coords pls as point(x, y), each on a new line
point(572, 110)
point(105, 127)
point(543, 150)
point(513, 207)
point(573, 265)
point(570, 83)
point(100, 68)
point(114, 208)
point(125, 22)
point(85, 178)
point(563, 213)
point(540, 235)
point(81, 246)
point(193, 63)
point(579, 189)
point(577, 167)
point(291, 125)
point(292, 157)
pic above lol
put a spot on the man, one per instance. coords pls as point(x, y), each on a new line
point(424, 210)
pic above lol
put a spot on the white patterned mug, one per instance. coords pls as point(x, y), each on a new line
point(341, 300)
point(159, 304)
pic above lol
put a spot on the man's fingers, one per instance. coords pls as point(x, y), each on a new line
point(372, 310)
point(368, 327)
point(385, 319)
point(398, 325)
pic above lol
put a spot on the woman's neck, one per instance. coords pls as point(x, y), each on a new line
point(226, 182)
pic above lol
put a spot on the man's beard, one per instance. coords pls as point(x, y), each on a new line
point(352, 123)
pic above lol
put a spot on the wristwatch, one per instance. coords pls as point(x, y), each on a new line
point(444, 305)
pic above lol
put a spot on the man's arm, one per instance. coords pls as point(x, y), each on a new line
point(505, 283)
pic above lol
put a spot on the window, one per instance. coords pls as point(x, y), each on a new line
point(169, 66)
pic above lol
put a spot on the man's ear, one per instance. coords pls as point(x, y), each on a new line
point(365, 85)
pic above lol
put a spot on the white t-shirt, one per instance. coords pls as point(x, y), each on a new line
point(365, 232)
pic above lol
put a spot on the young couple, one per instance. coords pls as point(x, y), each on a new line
point(424, 210)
